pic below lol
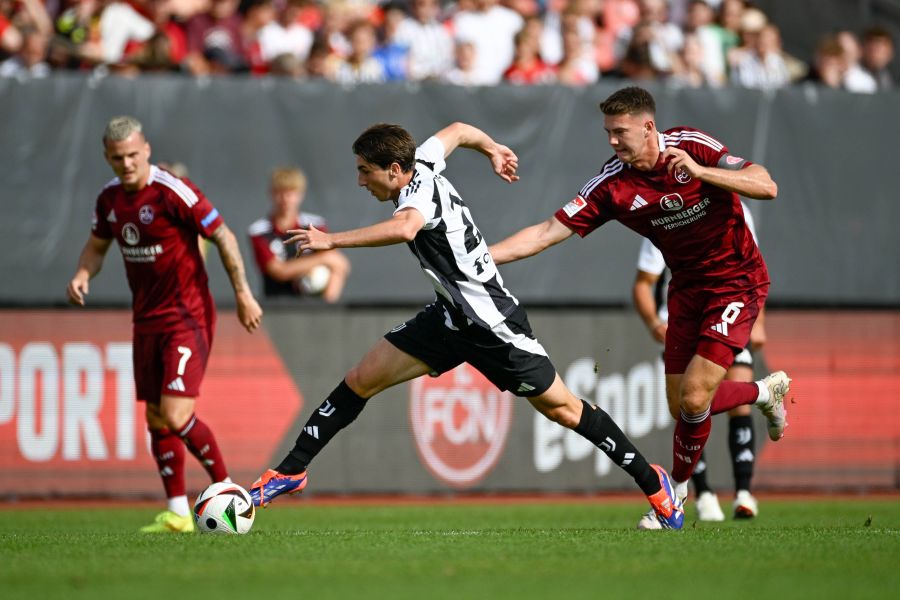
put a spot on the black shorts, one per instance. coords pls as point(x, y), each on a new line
point(508, 355)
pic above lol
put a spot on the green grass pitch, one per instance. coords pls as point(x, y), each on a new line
point(304, 550)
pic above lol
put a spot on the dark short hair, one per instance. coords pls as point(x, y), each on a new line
point(384, 143)
point(877, 32)
point(628, 101)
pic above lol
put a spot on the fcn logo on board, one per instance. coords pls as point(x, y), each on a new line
point(460, 422)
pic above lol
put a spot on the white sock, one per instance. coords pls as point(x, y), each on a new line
point(227, 480)
point(179, 506)
point(763, 392)
point(681, 489)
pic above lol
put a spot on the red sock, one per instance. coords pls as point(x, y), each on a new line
point(168, 452)
point(691, 433)
point(201, 442)
point(732, 394)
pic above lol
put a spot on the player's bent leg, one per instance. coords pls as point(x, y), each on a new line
point(742, 443)
point(594, 424)
point(382, 367)
point(198, 437)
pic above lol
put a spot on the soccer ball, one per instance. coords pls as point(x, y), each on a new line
point(224, 508)
point(316, 280)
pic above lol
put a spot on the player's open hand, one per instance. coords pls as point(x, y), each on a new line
point(505, 163)
point(677, 160)
point(249, 311)
point(77, 289)
point(309, 239)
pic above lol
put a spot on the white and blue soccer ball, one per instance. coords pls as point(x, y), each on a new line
point(225, 508)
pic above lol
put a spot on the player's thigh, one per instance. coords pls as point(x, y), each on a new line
point(184, 356)
point(384, 366)
point(147, 366)
point(727, 322)
point(699, 383)
point(559, 404)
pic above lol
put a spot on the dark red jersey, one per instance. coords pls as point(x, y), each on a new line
point(698, 227)
point(157, 229)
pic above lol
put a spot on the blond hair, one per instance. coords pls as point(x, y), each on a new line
point(119, 128)
point(288, 178)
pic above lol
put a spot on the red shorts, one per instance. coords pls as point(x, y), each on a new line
point(713, 324)
point(170, 363)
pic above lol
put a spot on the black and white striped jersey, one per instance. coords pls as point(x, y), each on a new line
point(450, 248)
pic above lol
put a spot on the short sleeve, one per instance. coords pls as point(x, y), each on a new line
point(581, 215)
point(419, 194)
point(650, 259)
point(99, 221)
point(191, 206)
point(432, 154)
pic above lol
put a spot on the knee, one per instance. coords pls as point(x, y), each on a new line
point(357, 381)
point(694, 400)
point(175, 417)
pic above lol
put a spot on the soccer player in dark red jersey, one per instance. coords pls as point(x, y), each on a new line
point(680, 190)
point(156, 218)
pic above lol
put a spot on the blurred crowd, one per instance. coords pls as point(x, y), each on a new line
point(691, 43)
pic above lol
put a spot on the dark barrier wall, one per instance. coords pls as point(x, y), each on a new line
point(829, 238)
point(69, 424)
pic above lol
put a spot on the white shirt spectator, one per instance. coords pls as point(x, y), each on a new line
point(491, 31)
point(120, 23)
point(764, 73)
point(275, 40)
point(430, 48)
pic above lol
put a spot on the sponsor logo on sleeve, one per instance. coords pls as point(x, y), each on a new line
point(733, 160)
point(574, 205)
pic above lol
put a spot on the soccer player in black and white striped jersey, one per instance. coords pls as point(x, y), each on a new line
point(473, 319)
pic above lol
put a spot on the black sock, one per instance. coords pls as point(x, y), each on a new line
point(699, 476)
point(599, 428)
point(742, 446)
point(339, 410)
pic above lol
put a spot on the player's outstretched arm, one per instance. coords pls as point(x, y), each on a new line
point(530, 241)
point(503, 160)
point(89, 264)
point(402, 227)
point(752, 182)
point(249, 312)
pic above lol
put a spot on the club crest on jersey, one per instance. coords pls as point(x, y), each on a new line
point(574, 205)
point(671, 202)
point(130, 234)
point(682, 176)
point(145, 214)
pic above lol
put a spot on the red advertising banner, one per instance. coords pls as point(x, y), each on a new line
point(844, 425)
point(69, 423)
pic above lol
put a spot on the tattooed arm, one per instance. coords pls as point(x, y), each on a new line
point(249, 312)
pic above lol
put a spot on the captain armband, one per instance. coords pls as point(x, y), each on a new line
point(732, 163)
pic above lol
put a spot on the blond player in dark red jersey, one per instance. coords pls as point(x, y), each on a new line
point(156, 218)
point(680, 190)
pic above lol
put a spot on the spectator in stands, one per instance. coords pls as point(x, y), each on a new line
point(360, 66)
point(281, 270)
point(829, 64)
point(491, 28)
point(665, 38)
point(711, 38)
point(856, 78)
point(761, 65)
point(286, 35)
point(877, 54)
point(429, 42)
point(731, 15)
point(214, 39)
point(690, 68)
point(322, 62)
point(527, 67)
point(463, 72)
point(120, 23)
point(20, 20)
point(577, 68)
point(391, 52)
point(638, 63)
point(30, 60)
point(287, 65)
